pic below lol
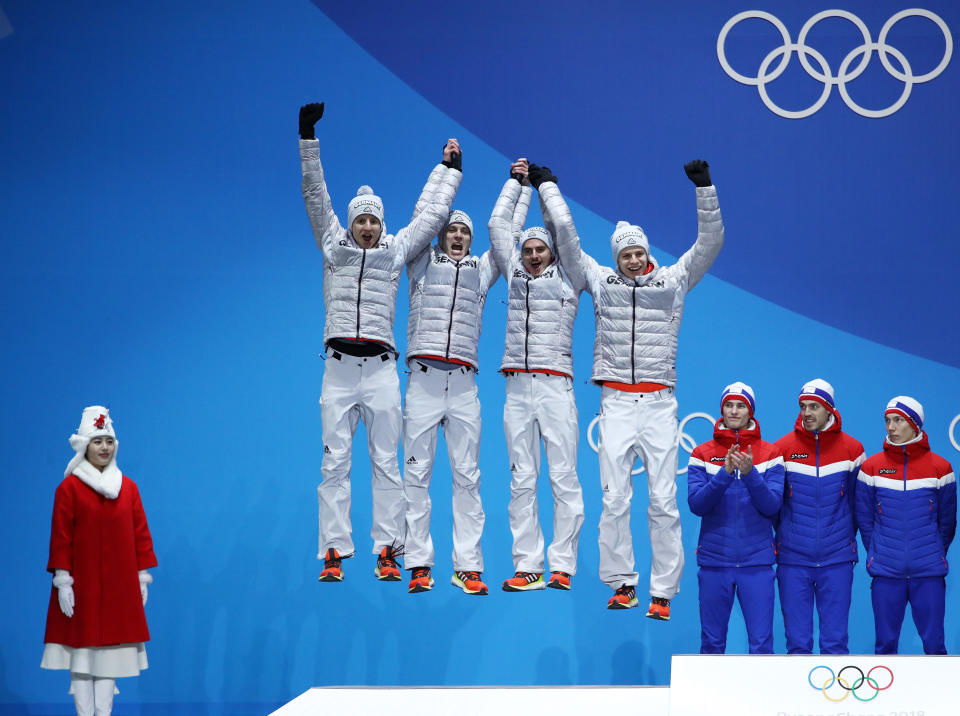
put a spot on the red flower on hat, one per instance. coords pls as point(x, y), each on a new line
point(99, 422)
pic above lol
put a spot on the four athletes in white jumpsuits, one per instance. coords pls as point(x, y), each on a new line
point(361, 272)
point(448, 287)
point(538, 364)
point(638, 310)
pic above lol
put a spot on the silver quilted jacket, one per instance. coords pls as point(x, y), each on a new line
point(360, 285)
point(446, 304)
point(541, 309)
point(637, 320)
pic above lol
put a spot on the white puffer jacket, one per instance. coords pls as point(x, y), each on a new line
point(638, 320)
point(360, 285)
point(541, 309)
point(446, 304)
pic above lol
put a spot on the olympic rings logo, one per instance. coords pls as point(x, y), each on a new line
point(844, 74)
point(950, 433)
point(687, 441)
point(846, 688)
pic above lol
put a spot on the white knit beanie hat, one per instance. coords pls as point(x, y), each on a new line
point(366, 202)
point(907, 407)
point(820, 391)
point(538, 232)
point(627, 234)
point(457, 217)
point(740, 391)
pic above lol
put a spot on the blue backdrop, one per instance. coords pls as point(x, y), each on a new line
point(158, 260)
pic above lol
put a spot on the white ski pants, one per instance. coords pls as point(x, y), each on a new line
point(644, 425)
point(449, 399)
point(541, 406)
point(354, 389)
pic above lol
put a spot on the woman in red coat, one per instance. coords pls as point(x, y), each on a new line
point(100, 550)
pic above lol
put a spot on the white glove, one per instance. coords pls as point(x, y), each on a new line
point(145, 579)
point(64, 584)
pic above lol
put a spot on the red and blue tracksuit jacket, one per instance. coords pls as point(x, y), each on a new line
point(816, 525)
point(907, 510)
point(737, 510)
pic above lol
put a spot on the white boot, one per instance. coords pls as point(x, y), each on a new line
point(103, 696)
point(81, 686)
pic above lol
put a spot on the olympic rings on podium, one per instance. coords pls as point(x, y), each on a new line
point(848, 688)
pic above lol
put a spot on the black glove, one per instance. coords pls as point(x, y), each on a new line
point(310, 114)
point(537, 175)
point(455, 161)
point(699, 172)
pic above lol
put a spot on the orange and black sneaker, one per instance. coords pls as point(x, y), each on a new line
point(624, 598)
point(659, 609)
point(331, 567)
point(524, 582)
point(387, 569)
point(469, 582)
point(420, 580)
point(559, 580)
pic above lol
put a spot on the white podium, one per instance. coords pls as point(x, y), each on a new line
point(700, 685)
point(479, 701)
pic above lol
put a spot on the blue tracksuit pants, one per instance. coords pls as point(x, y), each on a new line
point(753, 587)
point(829, 588)
point(926, 596)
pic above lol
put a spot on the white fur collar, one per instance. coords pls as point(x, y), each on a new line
point(107, 483)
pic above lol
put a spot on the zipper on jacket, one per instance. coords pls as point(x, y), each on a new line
point(736, 502)
point(453, 305)
point(906, 532)
point(526, 331)
point(363, 261)
point(817, 441)
point(633, 336)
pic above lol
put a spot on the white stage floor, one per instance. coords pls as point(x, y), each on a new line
point(479, 701)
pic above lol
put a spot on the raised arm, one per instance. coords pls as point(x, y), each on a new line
point(699, 257)
point(520, 171)
point(508, 217)
point(579, 266)
point(433, 206)
point(452, 159)
point(326, 227)
point(489, 271)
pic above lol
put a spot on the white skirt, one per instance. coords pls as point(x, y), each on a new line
point(111, 662)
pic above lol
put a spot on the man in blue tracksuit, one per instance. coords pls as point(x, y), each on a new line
point(735, 483)
point(907, 511)
point(816, 535)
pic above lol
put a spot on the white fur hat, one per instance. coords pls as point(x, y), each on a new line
point(627, 234)
point(95, 422)
point(366, 202)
